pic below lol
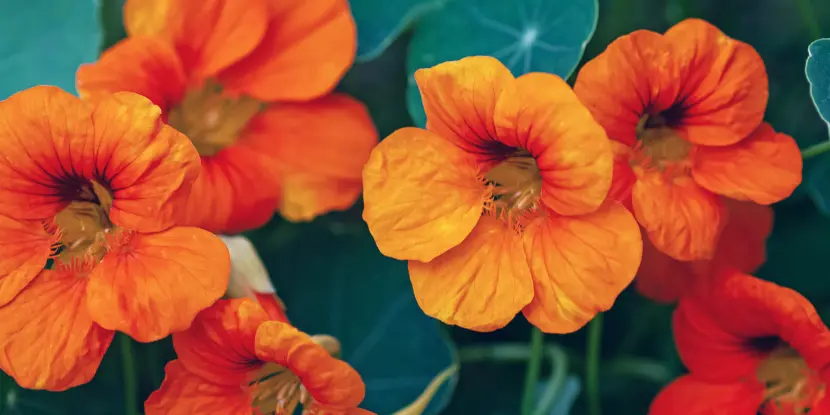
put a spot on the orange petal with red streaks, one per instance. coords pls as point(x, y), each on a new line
point(304, 53)
point(48, 339)
point(148, 166)
point(538, 112)
point(682, 219)
point(151, 285)
point(422, 195)
point(183, 393)
point(725, 93)
point(26, 246)
point(460, 98)
point(481, 284)
point(580, 265)
point(330, 382)
point(764, 168)
point(146, 66)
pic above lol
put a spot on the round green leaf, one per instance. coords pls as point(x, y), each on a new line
point(380, 22)
point(44, 42)
point(342, 286)
point(525, 35)
point(818, 73)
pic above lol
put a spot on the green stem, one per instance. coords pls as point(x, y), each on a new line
point(592, 365)
point(815, 150)
point(533, 368)
point(809, 17)
point(130, 376)
point(2, 392)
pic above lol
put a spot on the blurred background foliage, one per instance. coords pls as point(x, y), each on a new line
point(331, 276)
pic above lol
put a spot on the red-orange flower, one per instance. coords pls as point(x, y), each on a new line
point(96, 189)
point(235, 360)
point(250, 279)
point(499, 205)
point(742, 245)
point(685, 111)
point(750, 346)
point(249, 83)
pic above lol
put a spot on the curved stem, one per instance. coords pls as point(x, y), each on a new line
point(592, 365)
point(532, 374)
point(815, 150)
point(130, 376)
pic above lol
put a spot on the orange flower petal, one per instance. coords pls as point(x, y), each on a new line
point(726, 90)
point(183, 393)
point(146, 66)
point(764, 168)
point(155, 284)
point(481, 284)
point(539, 113)
point(48, 339)
point(40, 129)
point(688, 395)
point(319, 149)
point(148, 166)
point(219, 345)
point(306, 49)
point(331, 382)
point(742, 243)
point(209, 35)
point(662, 278)
point(635, 75)
point(237, 190)
point(682, 219)
point(422, 195)
point(460, 98)
point(579, 265)
point(624, 178)
point(26, 246)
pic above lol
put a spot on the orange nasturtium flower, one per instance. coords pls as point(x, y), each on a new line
point(499, 205)
point(96, 189)
point(250, 279)
point(684, 110)
point(750, 346)
point(249, 82)
point(236, 360)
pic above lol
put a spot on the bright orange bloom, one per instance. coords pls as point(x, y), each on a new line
point(249, 82)
point(96, 189)
point(235, 360)
point(742, 245)
point(685, 112)
point(751, 346)
point(499, 204)
point(250, 279)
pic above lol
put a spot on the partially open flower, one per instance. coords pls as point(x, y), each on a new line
point(235, 360)
point(90, 196)
point(249, 82)
point(499, 205)
point(750, 346)
point(250, 279)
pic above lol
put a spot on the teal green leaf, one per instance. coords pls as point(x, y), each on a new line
point(818, 73)
point(525, 35)
point(380, 22)
point(341, 285)
point(44, 42)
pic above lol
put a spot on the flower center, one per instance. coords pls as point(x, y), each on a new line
point(84, 224)
point(658, 145)
point(517, 185)
point(211, 120)
point(276, 390)
point(791, 388)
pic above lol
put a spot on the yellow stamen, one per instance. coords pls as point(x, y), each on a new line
point(517, 186)
point(790, 386)
point(84, 226)
point(659, 147)
point(211, 119)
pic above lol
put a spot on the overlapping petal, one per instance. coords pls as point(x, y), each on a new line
point(151, 285)
point(480, 284)
point(579, 265)
point(26, 246)
point(422, 195)
point(690, 396)
point(183, 393)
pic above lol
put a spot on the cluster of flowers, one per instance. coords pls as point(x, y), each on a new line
point(202, 121)
point(524, 195)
